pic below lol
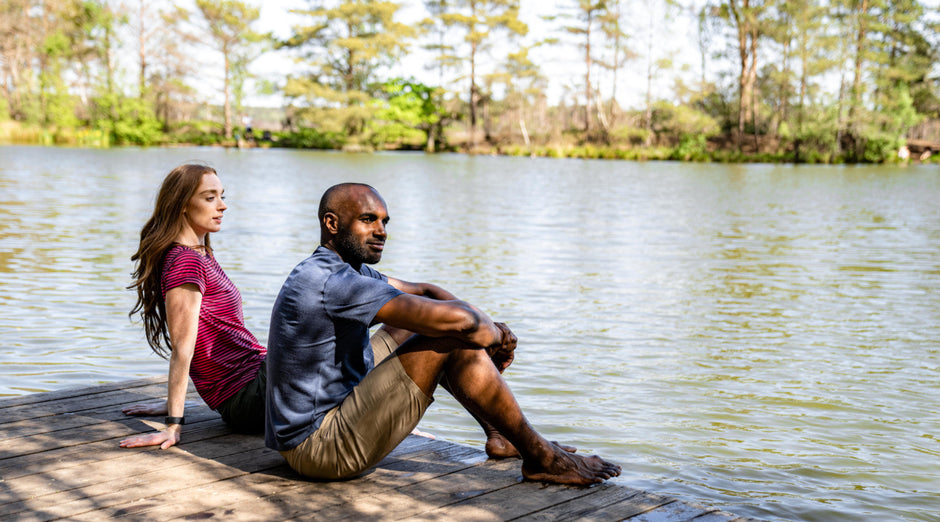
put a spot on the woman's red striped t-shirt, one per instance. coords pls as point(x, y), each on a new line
point(227, 355)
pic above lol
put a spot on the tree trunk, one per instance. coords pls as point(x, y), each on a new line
point(616, 64)
point(587, 74)
point(783, 95)
point(648, 117)
point(743, 94)
point(474, 95)
point(429, 144)
point(142, 52)
point(109, 62)
point(859, 62)
point(752, 88)
point(856, 91)
point(228, 102)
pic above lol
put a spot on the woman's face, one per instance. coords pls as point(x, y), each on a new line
point(204, 211)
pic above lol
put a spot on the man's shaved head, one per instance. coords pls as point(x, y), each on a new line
point(338, 196)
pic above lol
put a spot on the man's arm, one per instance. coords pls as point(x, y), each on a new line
point(434, 318)
point(423, 289)
point(502, 352)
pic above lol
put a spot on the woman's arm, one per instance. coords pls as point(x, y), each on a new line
point(182, 314)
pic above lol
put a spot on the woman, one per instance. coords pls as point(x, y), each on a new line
point(193, 312)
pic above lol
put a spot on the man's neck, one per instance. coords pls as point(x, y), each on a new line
point(329, 245)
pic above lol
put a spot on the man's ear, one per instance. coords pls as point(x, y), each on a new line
point(331, 222)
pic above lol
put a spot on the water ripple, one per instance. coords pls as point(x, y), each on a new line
point(756, 337)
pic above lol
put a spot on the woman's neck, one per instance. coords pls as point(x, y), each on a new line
point(193, 241)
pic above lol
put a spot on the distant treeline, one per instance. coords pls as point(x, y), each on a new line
point(802, 81)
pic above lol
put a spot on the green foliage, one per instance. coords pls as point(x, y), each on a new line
point(197, 132)
point(406, 113)
point(308, 138)
point(77, 138)
point(59, 104)
point(681, 120)
point(128, 121)
point(881, 150)
point(692, 147)
point(630, 135)
point(898, 113)
point(814, 140)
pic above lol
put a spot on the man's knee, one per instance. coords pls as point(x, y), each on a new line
point(400, 335)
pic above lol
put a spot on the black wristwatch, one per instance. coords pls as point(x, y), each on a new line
point(174, 420)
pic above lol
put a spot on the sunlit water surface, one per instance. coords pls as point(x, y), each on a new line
point(765, 339)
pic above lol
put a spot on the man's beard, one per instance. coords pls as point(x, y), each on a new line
point(353, 252)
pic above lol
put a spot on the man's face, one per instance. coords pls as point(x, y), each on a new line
point(360, 237)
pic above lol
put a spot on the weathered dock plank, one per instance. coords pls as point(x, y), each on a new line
point(59, 459)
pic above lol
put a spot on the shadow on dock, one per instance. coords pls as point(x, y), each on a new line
point(59, 458)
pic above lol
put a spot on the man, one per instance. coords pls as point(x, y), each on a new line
point(331, 414)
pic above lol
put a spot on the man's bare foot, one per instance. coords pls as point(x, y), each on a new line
point(497, 447)
point(564, 467)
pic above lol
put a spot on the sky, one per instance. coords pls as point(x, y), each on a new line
point(564, 66)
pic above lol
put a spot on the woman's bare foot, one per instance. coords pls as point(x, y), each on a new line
point(565, 467)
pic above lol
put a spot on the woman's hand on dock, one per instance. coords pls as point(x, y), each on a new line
point(165, 439)
point(151, 408)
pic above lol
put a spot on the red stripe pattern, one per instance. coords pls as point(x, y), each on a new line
point(227, 355)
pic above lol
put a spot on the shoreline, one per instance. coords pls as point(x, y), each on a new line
point(587, 152)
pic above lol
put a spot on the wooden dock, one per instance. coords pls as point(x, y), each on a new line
point(59, 459)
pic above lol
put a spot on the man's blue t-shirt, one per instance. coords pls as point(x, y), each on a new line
point(318, 344)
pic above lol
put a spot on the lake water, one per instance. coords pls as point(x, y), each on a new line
point(760, 338)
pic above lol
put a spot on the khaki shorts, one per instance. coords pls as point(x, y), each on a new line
point(370, 422)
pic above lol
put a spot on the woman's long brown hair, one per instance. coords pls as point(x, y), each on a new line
point(157, 236)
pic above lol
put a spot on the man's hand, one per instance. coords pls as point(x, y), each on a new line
point(503, 352)
point(164, 439)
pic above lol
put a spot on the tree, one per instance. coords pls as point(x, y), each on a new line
point(479, 21)
point(890, 58)
point(163, 36)
point(586, 14)
point(17, 47)
point(524, 83)
point(344, 44)
point(101, 31)
point(60, 25)
point(444, 51)
point(812, 48)
point(612, 26)
point(744, 16)
point(230, 31)
point(407, 107)
point(654, 65)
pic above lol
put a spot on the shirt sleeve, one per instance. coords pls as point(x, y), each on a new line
point(183, 266)
point(356, 297)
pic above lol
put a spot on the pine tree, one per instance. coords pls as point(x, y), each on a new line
point(229, 24)
point(479, 21)
point(345, 44)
